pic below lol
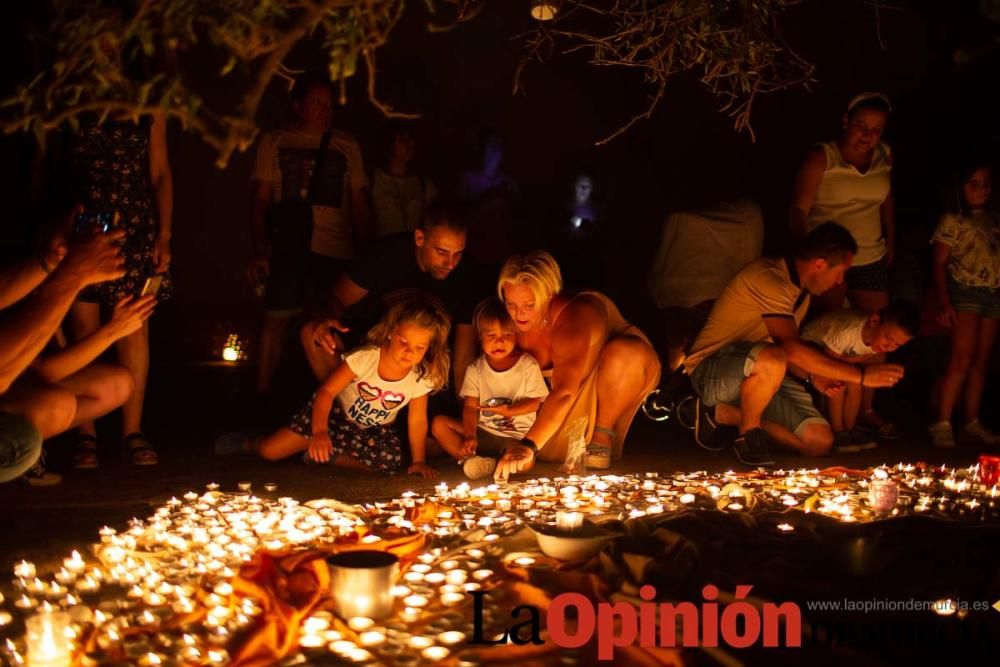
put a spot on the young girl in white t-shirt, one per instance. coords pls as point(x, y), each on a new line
point(967, 281)
point(349, 420)
point(501, 393)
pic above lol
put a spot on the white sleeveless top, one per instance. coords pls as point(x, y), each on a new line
point(852, 199)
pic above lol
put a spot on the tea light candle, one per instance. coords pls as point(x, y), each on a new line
point(434, 578)
point(482, 575)
point(5, 619)
point(25, 570)
point(452, 599)
point(421, 642)
point(415, 601)
point(46, 640)
point(371, 638)
point(312, 641)
point(456, 577)
point(360, 623)
point(435, 653)
point(524, 561)
point(451, 637)
point(569, 520)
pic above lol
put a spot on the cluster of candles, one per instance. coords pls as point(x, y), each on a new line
point(183, 557)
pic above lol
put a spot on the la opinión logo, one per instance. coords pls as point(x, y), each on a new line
point(573, 620)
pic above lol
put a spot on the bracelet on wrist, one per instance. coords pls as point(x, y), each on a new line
point(530, 444)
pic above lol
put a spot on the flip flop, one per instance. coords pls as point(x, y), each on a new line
point(85, 452)
point(138, 450)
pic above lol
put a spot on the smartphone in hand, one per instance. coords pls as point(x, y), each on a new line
point(152, 285)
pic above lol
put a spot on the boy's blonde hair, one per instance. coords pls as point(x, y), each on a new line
point(489, 311)
point(538, 271)
point(426, 314)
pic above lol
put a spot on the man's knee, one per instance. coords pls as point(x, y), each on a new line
point(817, 439)
point(52, 411)
point(771, 362)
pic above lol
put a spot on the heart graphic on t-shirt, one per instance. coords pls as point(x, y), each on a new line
point(391, 400)
point(368, 392)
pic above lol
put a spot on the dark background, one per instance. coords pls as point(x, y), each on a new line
point(685, 156)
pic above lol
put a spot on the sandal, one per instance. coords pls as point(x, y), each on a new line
point(85, 452)
point(598, 455)
point(138, 450)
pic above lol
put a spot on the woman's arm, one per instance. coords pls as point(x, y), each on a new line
point(163, 189)
point(942, 252)
point(128, 317)
point(888, 215)
point(804, 192)
point(417, 430)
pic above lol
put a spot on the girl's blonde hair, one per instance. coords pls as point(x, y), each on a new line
point(426, 314)
point(538, 271)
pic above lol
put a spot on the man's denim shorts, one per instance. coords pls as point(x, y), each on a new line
point(718, 378)
point(20, 446)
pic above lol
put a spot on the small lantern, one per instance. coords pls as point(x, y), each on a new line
point(544, 10)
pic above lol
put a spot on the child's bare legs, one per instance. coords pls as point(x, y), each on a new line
point(285, 442)
point(964, 333)
point(976, 379)
point(449, 434)
point(867, 409)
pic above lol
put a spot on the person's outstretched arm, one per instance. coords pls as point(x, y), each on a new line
point(25, 333)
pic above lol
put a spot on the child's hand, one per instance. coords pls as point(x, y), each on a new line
point(422, 469)
point(468, 448)
point(502, 410)
point(320, 447)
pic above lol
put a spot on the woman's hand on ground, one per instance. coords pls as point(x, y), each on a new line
point(515, 459)
point(129, 315)
point(320, 447)
point(422, 469)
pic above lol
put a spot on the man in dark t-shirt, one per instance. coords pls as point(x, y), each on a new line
point(422, 263)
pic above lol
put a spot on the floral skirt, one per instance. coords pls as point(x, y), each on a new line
point(378, 447)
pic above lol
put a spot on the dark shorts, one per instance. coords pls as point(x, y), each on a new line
point(297, 283)
point(20, 446)
point(872, 277)
point(982, 301)
point(718, 378)
point(378, 447)
point(491, 444)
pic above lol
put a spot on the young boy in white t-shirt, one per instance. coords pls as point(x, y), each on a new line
point(502, 392)
point(854, 337)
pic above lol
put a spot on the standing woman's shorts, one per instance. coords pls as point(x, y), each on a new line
point(872, 277)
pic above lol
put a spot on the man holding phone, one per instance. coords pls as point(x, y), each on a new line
point(42, 290)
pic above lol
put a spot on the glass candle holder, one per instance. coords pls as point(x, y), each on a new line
point(45, 637)
point(989, 469)
point(882, 494)
point(361, 583)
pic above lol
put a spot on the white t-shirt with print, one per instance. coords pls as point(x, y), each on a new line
point(370, 400)
point(522, 380)
point(840, 331)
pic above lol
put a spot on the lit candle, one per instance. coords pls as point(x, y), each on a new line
point(435, 653)
point(360, 623)
point(452, 599)
point(46, 640)
point(371, 638)
point(25, 570)
point(569, 521)
point(451, 637)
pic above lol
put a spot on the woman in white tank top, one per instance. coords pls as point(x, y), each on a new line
point(847, 181)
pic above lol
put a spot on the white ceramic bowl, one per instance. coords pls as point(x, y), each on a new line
point(576, 545)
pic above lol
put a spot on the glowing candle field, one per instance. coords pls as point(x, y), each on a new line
point(164, 590)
